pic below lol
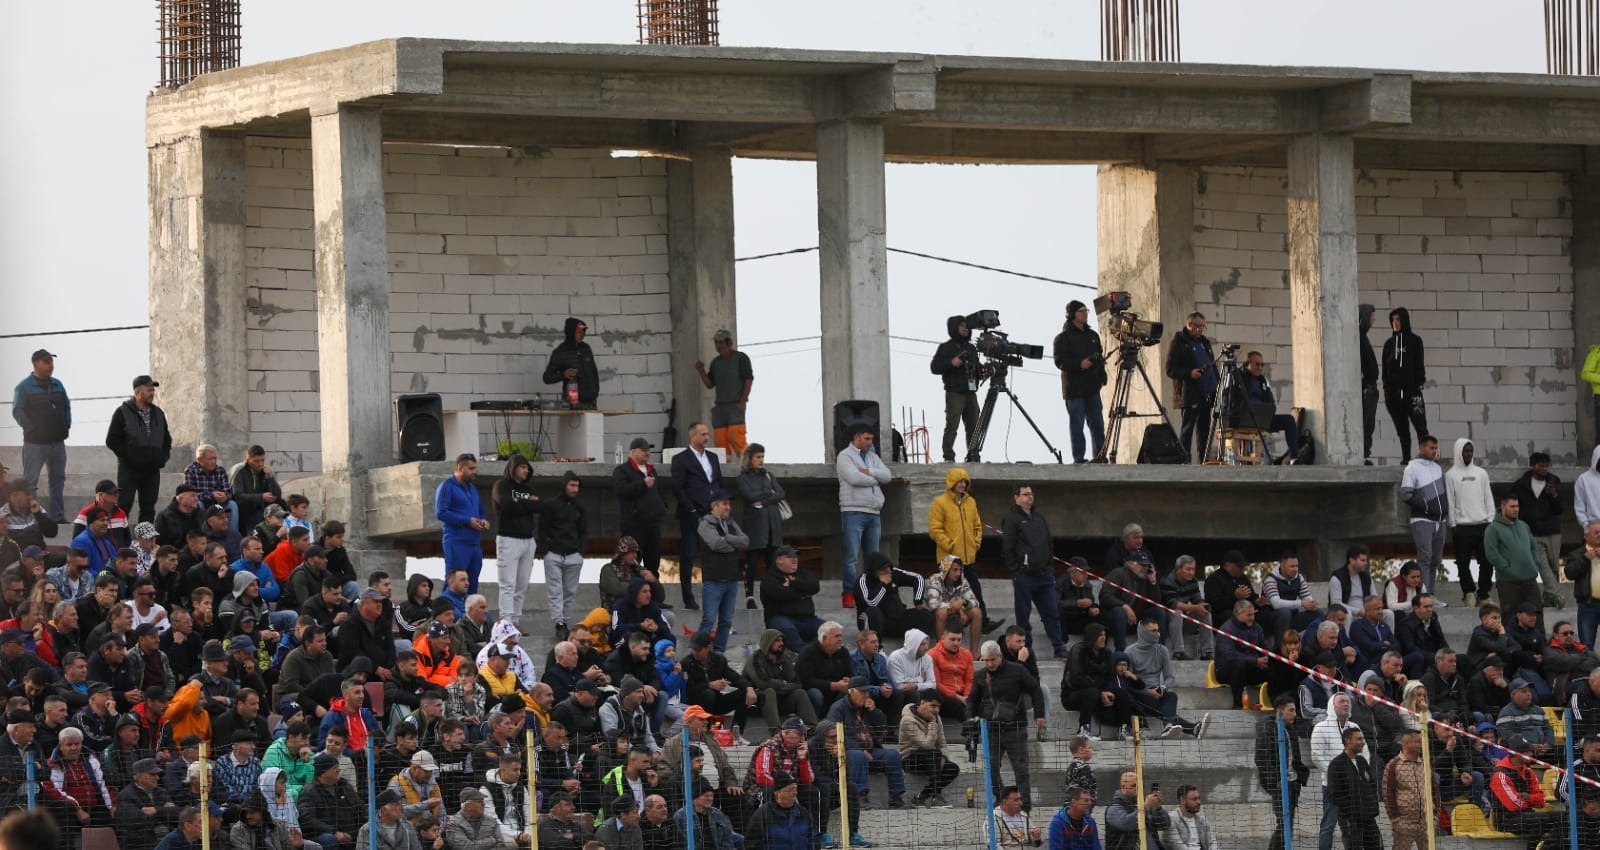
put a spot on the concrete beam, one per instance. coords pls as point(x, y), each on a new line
point(1514, 120)
point(519, 131)
point(1118, 109)
point(1322, 293)
point(851, 233)
point(1586, 289)
point(197, 291)
point(352, 306)
point(907, 86)
point(960, 145)
point(1146, 229)
point(1382, 101)
point(700, 268)
point(1466, 156)
point(663, 95)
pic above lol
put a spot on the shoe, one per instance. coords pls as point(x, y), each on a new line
point(1554, 600)
point(897, 801)
point(1180, 656)
point(561, 632)
point(750, 602)
point(690, 605)
point(864, 803)
point(1062, 654)
point(849, 600)
point(1440, 603)
point(1088, 732)
point(1206, 656)
point(993, 625)
point(826, 840)
point(1041, 736)
point(937, 801)
point(1173, 730)
point(1367, 462)
point(1201, 727)
point(739, 741)
point(859, 840)
point(1124, 734)
point(1468, 599)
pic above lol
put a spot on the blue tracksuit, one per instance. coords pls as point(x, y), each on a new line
point(456, 505)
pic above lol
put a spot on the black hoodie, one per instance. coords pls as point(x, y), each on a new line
point(565, 525)
point(1073, 346)
point(1403, 374)
point(957, 379)
point(514, 502)
point(571, 354)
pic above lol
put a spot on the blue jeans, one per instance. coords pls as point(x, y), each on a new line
point(1330, 817)
point(1030, 590)
point(718, 602)
point(1588, 620)
point(37, 456)
point(1086, 411)
point(1542, 692)
point(796, 633)
point(859, 531)
point(466, 556)
point(1450, 787)
point(883, 761)
point(283, 621)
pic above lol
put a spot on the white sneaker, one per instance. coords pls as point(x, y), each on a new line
point(1468, 599)
point(1440, 603)
point(1201, 727)
point(1088, 732)
point(1173, 730)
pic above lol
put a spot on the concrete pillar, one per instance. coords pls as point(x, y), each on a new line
point(352, 306)
point(1585, 293)
point(1146, 248)
point(1323, 297)
point(197, 292)
point(854, 271)
point(701, 272)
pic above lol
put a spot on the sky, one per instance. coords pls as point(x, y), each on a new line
point(73, 190)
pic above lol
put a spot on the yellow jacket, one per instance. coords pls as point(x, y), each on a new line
point(1591, 369)
point(501, 687)
point(956, 527)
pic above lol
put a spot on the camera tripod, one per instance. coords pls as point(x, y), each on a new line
point(1129, 360)
point(1226, 406)
point(997, 385)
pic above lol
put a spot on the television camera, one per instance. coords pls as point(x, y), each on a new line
point(995, 344)
point(1124, 324)
point(1000, 355)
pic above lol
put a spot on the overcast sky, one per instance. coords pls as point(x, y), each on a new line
point(73, 190)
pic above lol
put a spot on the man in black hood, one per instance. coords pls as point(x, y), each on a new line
point(1369, 385)
point(572, 366)
point(956, 362)
point(1403, 377)
point(1083, 372)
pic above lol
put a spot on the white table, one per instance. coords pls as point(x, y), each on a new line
point(570, 434)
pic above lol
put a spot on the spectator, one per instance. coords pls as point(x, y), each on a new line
point(1122, 817)
point(290, 756)
point(1489, 690)
point(712, 684)
point(255, 489)
point(1010, 824)
point(1354, 792)
point(953, 670)
point(721, 543)
point(27, 522)
point(44, 413)
point(1404, 798)
point(1028, 548)
point(1566, 661)
point(181, 516)
point(1073, 827)
point(1517, 796)
point(1527, 633)
point(1447, 691)
point(1352, 583)
point(1371, 634)
point(144, 809)
point(96, 540)
point(1226, 586)
point(773, 672)
point(565, 531)
point(624, 568)
point(1509, 543)
point(956, 527)
point(1078, 600)
point(289, 554)
point(1083, 682)
point(781, 823)
point(239, 771)
point(459, 508)
point(621, 830)
point(1128, 593)
point(866, 731)
point(75, 787)
point(880, 606)
point(921, 739)
point(516, 521)
point(868, 660)
point(1240, 661)
point(1327, 743)
point(910, 667)
point(418, 787)
point(1273, 743)
point(824, 667)
point(950, 595)
point(469, 635)
point(328, 807)
point(623, 714)
point(862, 475)
point(763, 514)
point(1582, 570)
point(997, 696)
point(1192, 368)
point(1521, 717)
point(635, 612)
point(787, 599)
point(1288, 596)
point(1151, 663)
point(210, 483)
point(640, 506)
point(1189, 827)
point(1420, 635)
point(695, 474)
point(1461, 769)
point(1425, 491)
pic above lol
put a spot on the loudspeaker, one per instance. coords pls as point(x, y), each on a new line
point(1161, 445)
point(421, 418)
point(848, 414)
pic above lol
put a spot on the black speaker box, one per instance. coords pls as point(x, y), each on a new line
point(847, 415)
point(421, 418)
point(1161, 445)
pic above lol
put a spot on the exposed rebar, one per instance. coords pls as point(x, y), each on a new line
point(1572, 37)
point(678, 22)
point(196, 37)
point(1139, 31)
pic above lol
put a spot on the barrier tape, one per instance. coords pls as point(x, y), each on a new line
point(1354, 690)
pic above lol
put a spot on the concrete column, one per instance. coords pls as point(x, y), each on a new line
point(1146, 228)
point(701, 271)
point(197, 292)
point(352, 306)
point(1323, 297)
point(1585, 293)
point(854, 271)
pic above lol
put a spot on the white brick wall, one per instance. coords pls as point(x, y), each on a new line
point(489, 251)
point(1482, 261)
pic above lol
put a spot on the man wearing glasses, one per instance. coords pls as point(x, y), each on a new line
point(1567, 656)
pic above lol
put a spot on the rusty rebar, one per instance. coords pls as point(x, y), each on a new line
point(678, 22)
point(196, 37)
point(1139, 31)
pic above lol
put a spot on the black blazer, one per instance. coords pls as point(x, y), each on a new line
point(689, 482)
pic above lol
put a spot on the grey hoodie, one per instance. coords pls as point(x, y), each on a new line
point(1150, 661)
point(1586, 492)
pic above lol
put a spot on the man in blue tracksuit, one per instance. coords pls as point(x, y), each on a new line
point(43, 411)
point(460, 511)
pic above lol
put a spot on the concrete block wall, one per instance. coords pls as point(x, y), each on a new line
point(1483, 262)
point(490, 249)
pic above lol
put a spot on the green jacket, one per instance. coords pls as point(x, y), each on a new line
point(1591, 369)
point(1510, 547)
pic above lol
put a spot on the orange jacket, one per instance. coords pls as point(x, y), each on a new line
point(283, 559)
point(187, 715)
point(441, 672)
point(953, 673)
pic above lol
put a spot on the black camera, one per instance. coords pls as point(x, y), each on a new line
point(1125, 324)
point(995, 344)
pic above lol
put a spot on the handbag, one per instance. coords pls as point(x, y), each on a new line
point(784, 510)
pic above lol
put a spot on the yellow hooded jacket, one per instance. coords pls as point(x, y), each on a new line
point(956, 527)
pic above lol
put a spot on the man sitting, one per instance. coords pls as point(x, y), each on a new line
point(953, 603)
point(772, 672)
point(1257, 390)
point(1078, 599)
point(953, 670)
point(1516, 797)
point(1522, 718)
point(787, 599)
point(1420, 635)
point(1240, 664)
point(1288, 595)
point(865, 730)
point(1181, 590)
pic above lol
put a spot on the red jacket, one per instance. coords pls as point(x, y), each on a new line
point(1515, 787)
point(771, 757)
point(78, 784)
point(952, 673)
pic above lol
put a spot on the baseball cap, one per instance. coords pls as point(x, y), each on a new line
point(794, 722)
point(315, 551)
point(274, 510)
point(700, 640)
point(389, 795)
point(695, 712)
point(323, 763)
point(42, 354)
point(722, 334)
point(189, 741)
point(1519, 683)
point(438, 629)
point(106, 485)
point(470, 794)
point(144, 381)
point(145, 531)
point(97, 512)
point(1527, 608)
point(183, 488)
point(10, 636)
point(216, 510)
point(242, 643)
point(423, 758)
point(640, 443)
point(586, 686)
point(147, 766)
point(145, 630)
point(33, 553)
point(372, 594)
point(288, 708)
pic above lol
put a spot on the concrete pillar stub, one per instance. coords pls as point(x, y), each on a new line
point(352, 306)
point(1586, 292)
point(701, 271)
point(197, 291)
point(853, 260)
point(1146, 248)
point(1323, 295)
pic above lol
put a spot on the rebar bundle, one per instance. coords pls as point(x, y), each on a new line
point(196, 37)
point(678, 22)
point(1139, 31)
point(1572, 37)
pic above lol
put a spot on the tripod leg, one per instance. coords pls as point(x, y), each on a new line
point(975, 440)
point(1016, 402)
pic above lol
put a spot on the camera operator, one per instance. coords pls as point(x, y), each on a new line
point(1257, 390)
point(1193, 370)
point(1082, 363)
point(956, 361)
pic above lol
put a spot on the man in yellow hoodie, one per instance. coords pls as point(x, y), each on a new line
point(957, 529)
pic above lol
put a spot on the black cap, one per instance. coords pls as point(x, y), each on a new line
point(315, 551)
point(1517, 744)
point(786, 552)
point(700, 640)
point(640, 443)
point(144, 381)
point(41, 354)
point(216, 510)
point(10, 636)
point(242, 736)
point(859, 683)
point(1527, 608)
point(585, 686)
point(106, 485)
point(183, 488)
point(146, 630)
point(387, 796)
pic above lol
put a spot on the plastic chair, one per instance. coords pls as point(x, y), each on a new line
point(1266, 698)
point(1558, 722)
point(1468, 821)
point(375, 699)
point(1211, 676)
point(99, 838)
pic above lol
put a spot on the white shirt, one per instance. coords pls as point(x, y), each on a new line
point(705, 462)
point(1192, 829)
point(162, 625)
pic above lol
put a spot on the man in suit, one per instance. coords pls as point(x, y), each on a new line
point(695, 473)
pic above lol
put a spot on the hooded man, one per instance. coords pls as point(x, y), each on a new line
point(1369, 385)
point(956, 528)
point(1078, 355)
point(572, 366)
point(1471, 509)
point(565, 528)
point(1403, 377)
point(1423, 489)
point(1586, 492)
point(772, 672)
point(955, 361)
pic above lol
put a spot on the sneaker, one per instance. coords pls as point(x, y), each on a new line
point(864, 803)
point(897, 801)
point(1468, 599)
point(1173, 730)
point(750, 602)
point(1206, 656)
point(937, 801)
point(993, 625)
point(1041, 736)
point(1124, 734)
point(1062, 654)
point(849, 600)
point(1201, 727)
point(1088, 732)
point(859, 840)
point(561, 632)
point(1180, 656)
point(826, 840)
point(1440, 603)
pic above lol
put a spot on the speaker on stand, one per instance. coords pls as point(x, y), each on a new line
point(421, 419)
point(847, 415)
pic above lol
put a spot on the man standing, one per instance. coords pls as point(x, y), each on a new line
point(138, 436)
point(1354, 791)
point(862, 475)
point(1027, 545)
point(1470, 508)
point(459, 509)
point(1327, 743)
point(1423, 489)
point(722, 545)
point(997, 693)
point(1538, 494)
point(639, 504)
point(730, 376)
point(1083, 372)
point(1369, 385)
point(955, 361)
point(43, 411)
point(1403, 796)
point(1193, 371)
point(956, 527)
point(1583, 570)
point(572, 366)
point(1509, 543)
point(566, 526)
point(1275, 741)
point(695, 473)
point(1403, 377)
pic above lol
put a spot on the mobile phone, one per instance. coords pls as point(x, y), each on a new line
point(1155, 788)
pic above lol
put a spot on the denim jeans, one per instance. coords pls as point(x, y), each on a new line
point(883, 761)
point(1086, 411)
point(859, 532)
point(1121, 625)
point(1031, 590)
point(37, 456)
point(717, 602)
point(796, 633)
point(1588, 622)
point(1330, 817)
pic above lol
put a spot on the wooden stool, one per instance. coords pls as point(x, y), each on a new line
point(1249, 447)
